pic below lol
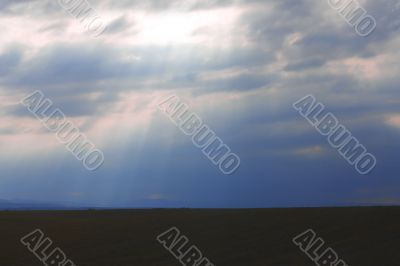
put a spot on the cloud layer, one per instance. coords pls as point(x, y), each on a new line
point(239, 64)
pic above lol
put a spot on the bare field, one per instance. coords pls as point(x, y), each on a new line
point(360, 236)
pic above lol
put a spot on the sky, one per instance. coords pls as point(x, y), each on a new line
point(239, 65)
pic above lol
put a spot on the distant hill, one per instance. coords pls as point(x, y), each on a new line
point(27, 205)
point(36, 205)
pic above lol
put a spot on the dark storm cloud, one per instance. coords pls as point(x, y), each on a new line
point(119, 25)
point(37, 9)
point(269, 25)
point(61, 70)
point(6, 4)
point(51, 7)
point(63, 64)
point(55, 28)
point(386, 14)
point(321, 41)
point(72, 105)
point(303, 65)
point(240, 83)
point(74, 65)
point(162, 5)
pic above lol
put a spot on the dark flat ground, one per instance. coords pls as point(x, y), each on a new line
point(361, 236)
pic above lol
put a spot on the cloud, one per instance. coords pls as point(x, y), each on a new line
point(119, 25)
point(55, 28)
point(309, 151)
point(10, 59)
point(304, 65)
